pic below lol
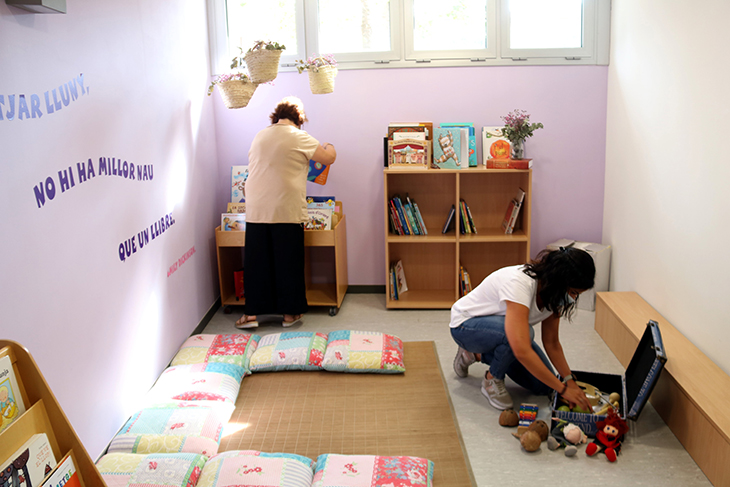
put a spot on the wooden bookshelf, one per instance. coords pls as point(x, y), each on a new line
point(431, 262)
point(43, 415)
point(325, 264)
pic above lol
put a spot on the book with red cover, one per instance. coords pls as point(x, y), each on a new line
point(509, 164)
point(64, 475)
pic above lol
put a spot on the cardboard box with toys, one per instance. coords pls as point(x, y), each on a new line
point(626, 394)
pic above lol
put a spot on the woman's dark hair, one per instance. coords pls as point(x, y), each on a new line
point(557, 271)
point(290, 108)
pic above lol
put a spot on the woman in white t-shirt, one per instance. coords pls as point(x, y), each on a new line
point(494, 324)
point(276, 209)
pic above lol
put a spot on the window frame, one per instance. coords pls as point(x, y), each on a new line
point(596, 28)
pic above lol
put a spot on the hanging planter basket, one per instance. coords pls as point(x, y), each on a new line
point(263, 64)
point(322, 81)
point(236, 93)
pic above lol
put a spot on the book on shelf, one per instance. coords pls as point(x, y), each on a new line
point(470, 219)
point(64, 475)
point(409, 154)
point(400, 276)
point(321, 202)
point(317, 172)
point(417, 215)
point(393, 284)
point(449, 219)
point(395, 218)
point(447, 148)
point(30, 463)
point(463, 223)
point(423, 127)
point(464, 282)
point(471, 152)
point(11, 401)
point(319, 219)
point(236, 208)
point(239, 175)
point(233, 222)
point(494, 144)
point(513, 210)
point(469, 226)
point(508, 164)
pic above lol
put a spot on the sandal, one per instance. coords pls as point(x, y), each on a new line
point(296, 321)
point(244, 322)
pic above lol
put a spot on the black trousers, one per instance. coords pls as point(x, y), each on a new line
point(273, 269)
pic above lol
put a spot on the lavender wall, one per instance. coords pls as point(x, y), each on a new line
point(569, 153)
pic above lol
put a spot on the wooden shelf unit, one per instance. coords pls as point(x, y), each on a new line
point(431, 262)
point(43, 414)
point(325, 264)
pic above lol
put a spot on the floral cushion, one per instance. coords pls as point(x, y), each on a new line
point(189, 429)
point(170, 469)
point(197, 382)
point(293, 350)
point(254, 468)
point(363, 351)
point(231, 349)
point(368, 470)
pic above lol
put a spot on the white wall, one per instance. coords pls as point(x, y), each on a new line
point(102, 329)
point(667, 202)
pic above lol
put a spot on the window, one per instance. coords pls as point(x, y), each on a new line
point(404, 33)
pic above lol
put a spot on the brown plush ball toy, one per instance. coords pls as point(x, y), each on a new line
point(509, 417)
point(530, 441)
point(541, 428)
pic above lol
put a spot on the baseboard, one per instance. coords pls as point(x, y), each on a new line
point(208, 316)
point(369, 289)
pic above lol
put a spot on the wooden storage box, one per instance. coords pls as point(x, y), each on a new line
point(635, 386)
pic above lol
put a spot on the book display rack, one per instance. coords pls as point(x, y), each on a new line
point(431, 262)
point(43, 414)
point(325, 264)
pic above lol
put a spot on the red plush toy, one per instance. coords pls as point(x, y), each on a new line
point(608, 438)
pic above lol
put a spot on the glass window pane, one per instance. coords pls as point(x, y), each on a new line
point(255, 20)
point(354, 26)
point(440, 25)
point(537, 24)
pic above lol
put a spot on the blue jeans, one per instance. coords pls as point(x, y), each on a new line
point(485, 335)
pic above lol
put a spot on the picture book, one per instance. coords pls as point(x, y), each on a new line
point(11, 402)
point(447, 148)
point(513, 211)
point(400, 275)
point(409, 154)
point(30, 463)
point(233, 222)
point(236, 208)
point(317, 172)
point(64, 475)
point(508, 164)
point(494, 144)
point(409, 135)
point(319, 219)
point(472, 141)
point(239, 175)
point(424, 127)
point(321, 202)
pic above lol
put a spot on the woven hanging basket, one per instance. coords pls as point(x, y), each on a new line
point(322, 81)
point(263, 64)
point(236, 93)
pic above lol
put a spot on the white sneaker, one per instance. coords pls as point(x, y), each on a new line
point(495, 391)
point(462, 361)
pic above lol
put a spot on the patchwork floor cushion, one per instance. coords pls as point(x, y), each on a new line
point(169, 470)
point(257, 469)
point(215, 381)
point(363, 351)
point(368, 470)
point(170, 429)
point(231, 349)
point(293, 350)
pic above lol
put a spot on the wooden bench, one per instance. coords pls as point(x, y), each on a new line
point(692, 395)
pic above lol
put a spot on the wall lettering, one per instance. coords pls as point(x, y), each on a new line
point(176, 265)
point(15, 107)
point(143, 238)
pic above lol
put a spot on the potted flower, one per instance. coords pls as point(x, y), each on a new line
point(322, 71)
point(262, 60)
point(517, 128)
point(236, 88)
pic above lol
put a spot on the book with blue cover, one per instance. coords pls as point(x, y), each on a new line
point(472, 149)
point(318, 172)
point(447, 148)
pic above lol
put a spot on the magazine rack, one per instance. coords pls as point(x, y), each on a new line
point(43, 415)
point(325, 264)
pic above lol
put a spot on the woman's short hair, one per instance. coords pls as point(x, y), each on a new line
point(557, 271)
point(290, 108)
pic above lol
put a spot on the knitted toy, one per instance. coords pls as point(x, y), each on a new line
point(608, 438)
point(567, 435)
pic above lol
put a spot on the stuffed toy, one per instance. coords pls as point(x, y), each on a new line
point(608, 438)
point(566, 435)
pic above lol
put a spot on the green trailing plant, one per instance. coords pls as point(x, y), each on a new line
point(315, 62)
